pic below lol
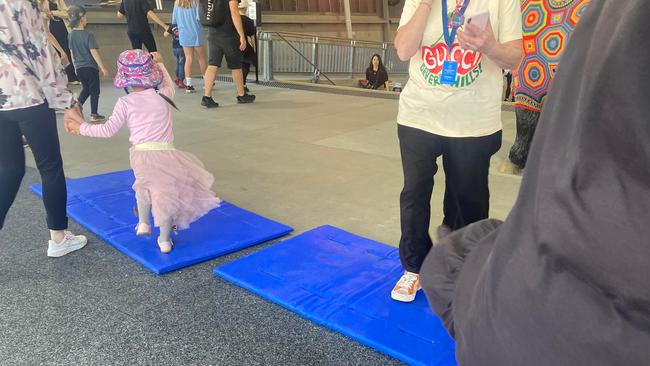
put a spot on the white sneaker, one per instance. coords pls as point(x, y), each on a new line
point(69, 244)
point(406, 288)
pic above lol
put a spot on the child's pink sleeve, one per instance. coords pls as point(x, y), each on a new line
point(108, 128)
point(167, 87)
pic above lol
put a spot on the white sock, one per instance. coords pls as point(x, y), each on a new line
point(188, 81)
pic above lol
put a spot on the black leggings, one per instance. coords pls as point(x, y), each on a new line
point(38, 125)
point(89, 77)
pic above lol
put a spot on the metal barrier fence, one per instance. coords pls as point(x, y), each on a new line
point(282, 52)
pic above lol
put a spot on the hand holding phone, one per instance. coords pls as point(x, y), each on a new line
point(480, 20)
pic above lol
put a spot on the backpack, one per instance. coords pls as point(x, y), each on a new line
point(213, 13)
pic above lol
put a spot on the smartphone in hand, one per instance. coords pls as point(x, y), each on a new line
point(480, 20)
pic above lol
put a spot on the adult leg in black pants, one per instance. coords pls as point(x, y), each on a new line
point(38, 125)
point(466, 162)
point(419, 151)
point(147, 39)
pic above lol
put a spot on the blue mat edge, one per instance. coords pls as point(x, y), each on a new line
point(35, 188)
point(218, 272)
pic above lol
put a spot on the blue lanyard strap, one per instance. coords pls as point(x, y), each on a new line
point(450, 35)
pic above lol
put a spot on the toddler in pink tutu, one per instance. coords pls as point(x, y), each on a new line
point(170, 183)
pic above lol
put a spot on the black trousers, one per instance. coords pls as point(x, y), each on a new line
point(145, 38)
point(89, 77)
point(466, 162)
point(38, 125)
point(526, 124)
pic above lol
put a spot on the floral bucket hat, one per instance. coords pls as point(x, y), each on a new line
point(136, 68)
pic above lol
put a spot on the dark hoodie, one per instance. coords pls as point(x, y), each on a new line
point(565, 280)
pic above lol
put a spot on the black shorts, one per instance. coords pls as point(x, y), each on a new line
point(220, 45)
point(146, 38)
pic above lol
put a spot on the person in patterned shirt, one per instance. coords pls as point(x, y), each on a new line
point(32, 85)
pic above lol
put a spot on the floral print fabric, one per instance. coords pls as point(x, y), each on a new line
point(31, 72)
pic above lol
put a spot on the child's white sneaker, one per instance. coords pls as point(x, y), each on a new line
point(69, 244)
point(166, 246)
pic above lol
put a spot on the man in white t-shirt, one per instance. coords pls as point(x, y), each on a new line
point(456, 115)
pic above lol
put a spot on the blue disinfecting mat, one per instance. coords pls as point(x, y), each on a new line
point(343, 282)
point(104, 204)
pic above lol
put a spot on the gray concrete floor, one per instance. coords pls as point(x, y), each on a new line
point(302, 158)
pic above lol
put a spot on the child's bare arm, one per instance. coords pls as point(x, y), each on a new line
point(98, 58)
point(107, 129)
point(155, 18)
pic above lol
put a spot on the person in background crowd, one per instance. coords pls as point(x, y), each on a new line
point(229, 40)
point(137, 14)
point(87, 60)
point(191, 38)
point(179, 55)
point(564, 280)
point(58, 11)
point(250, 53)
point(31, 86)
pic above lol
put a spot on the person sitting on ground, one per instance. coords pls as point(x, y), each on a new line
point(564, 280)
point(376, 74)
point(170, 182)
point(137, 14)
point(32, 85)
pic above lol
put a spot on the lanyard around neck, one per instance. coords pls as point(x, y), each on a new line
point(450, 34)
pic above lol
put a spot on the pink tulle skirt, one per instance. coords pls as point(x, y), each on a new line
point(176, 185)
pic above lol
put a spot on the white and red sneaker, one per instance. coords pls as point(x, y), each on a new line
point(406, 288)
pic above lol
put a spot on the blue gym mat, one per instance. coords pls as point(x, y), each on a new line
point(343, 281)
point(104, 204)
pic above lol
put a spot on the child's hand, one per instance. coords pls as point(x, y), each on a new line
point(72, 120)
point(157, 57)
point(166, 34)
